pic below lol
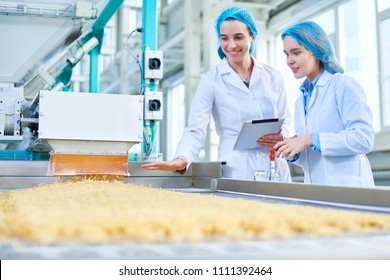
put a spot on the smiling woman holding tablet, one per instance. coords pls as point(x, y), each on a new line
point(239, 88)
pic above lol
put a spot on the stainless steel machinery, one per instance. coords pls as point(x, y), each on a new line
point(84, 132)
point(205, 178)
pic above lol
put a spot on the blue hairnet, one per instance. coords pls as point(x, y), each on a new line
point(310, 35)
point(239, 14)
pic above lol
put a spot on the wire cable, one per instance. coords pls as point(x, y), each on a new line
point(135, 57)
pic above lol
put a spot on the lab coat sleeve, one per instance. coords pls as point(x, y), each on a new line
point(192, 140)
point(282, 107)
point(356, 116)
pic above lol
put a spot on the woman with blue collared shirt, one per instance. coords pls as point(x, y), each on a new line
point(238, 89)
point(333, 122)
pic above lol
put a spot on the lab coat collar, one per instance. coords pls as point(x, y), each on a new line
point(257, 71)
point(234, 79)
point(322, 81)
point(224, 68)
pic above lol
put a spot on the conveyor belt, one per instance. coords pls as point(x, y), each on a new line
point(204, 178)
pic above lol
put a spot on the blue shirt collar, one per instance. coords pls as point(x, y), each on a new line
point(308, 88)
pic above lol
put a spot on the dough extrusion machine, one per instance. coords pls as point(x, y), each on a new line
point(205, 178)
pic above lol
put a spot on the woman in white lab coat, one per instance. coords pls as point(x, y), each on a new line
point(238, 89)
point(332, 119)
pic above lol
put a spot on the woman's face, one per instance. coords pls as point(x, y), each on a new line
point(301, 61)
point(235, 40)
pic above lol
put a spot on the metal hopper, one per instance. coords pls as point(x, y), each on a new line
point(89, 133)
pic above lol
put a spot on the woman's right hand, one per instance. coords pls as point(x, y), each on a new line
point(269, 140)
point(290, 147)
point(177, 164)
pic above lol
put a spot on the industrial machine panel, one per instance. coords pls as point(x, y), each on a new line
point(86, 116)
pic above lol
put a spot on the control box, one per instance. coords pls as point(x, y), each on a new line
point(153, 105)
point(153, 65)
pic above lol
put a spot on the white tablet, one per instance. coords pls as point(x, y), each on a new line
point(253, 130)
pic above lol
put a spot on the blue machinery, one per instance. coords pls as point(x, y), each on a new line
point(91, 43)
point(152, 62)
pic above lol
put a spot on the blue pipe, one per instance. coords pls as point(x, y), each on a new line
point(149, 42)
point(149, 32)
point(98, 31)
point(94, 85)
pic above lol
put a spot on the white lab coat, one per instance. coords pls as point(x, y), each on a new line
point(222, 94)
point(339, 113)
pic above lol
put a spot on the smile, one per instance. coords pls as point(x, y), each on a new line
point(233, 52)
